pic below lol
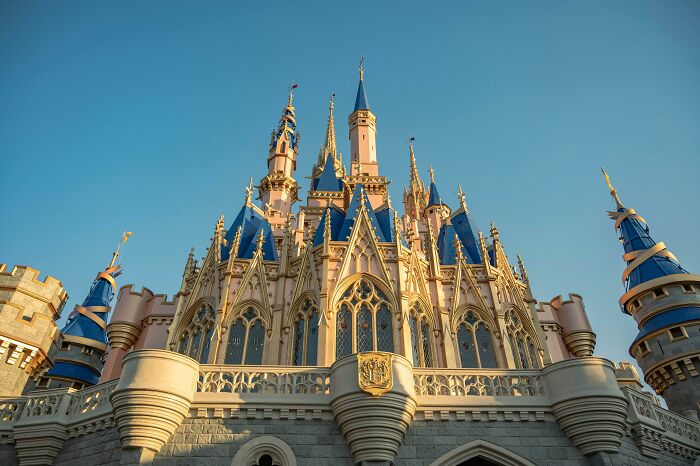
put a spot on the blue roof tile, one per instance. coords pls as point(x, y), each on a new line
point(361, 99)
point(668, 319)
point(351, 215)
point(74, 371)
point(328, 181)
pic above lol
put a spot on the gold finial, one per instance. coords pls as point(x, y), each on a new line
point(462, 198)
point(249, 192)
point(432, 175)
point(291, 94)
point(523, 272)
point(494, 232)
point(259, 244)
point(458, 248)
point(361, 68)
point(388, 200)
point(122, 241)
point(613, 191)
point(330, 104)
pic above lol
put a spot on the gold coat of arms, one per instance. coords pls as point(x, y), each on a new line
point(374, 372)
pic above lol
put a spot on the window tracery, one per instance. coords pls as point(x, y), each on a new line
point(195, 340)
point(246, 339)
point(421, 341)
point(363, 320)
point(475, 342)
point(522, 344)
point(305, 339)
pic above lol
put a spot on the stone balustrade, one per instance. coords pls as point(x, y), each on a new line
point(289, 392)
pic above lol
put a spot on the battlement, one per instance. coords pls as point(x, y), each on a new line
point(26, 280)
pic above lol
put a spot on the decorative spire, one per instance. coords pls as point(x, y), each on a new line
point(459, 255)
point(287, 127)
point(494, 233)
point(122, 241)
point(613, 191)
point(462, 198)
point(249, 193)
point(329, 148)
point(361, 99)
point(259, 242)
point(360, 69)
point(523, 272)
point(432, 174)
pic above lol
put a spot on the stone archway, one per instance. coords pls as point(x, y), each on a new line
point(481, 453)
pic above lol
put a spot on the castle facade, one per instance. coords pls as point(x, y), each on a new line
point(343, 332)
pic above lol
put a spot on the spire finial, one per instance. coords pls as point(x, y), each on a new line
point(249, 192)
point(122, 241)
point(291, 93)
point(361, 68)
point(494, 232)
point(388, 200)
point(462, 198)
point(613, 191)
point(330, 104)
point(432, 175)
point(523, 272)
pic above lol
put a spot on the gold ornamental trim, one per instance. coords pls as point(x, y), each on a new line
point(374, 374)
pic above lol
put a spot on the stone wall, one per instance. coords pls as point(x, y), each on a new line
point(8, 455)
point(97, 448)
point(214, 442)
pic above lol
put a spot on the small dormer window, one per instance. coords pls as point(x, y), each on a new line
point(643, 348)
point(688, 288)
point(659, 293)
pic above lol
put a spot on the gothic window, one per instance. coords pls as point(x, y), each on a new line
point(305, 341)
point(246, 339)
point(421, 342)
point(523, 346)
point(475, 342)
point(364, 320)
point(195, 340)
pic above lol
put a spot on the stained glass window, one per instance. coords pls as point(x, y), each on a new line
point(206, 344)
point(343, 332)
point(421, 341)
point(414, 341)
point(426, 343)
point(475, 342)
point(191, 343)
point(305, 344)
point(364, 308)
point(246, 340)
point(522, 345)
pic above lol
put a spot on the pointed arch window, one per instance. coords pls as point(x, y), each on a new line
point(246, 339)
point(421, 341)
point(305, 341)
point(364, 320)
point(521, 343)
point(475, 342)
point(195, 340)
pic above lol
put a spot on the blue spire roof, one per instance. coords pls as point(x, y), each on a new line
point(337, 217)
point(73, 371)
point(328, 180)
point(351, 215)
point(635, 237)
point(433, 196)
point(251, 222)
point(385, 217)
point(361, 99)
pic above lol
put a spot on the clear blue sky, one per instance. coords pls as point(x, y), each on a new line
point(151, 116)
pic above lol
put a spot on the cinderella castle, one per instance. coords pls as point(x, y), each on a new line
point(346, 332)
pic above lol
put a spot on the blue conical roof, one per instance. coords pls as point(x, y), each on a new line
point(336, 218)
point(635, 237)
point(328, 180)
point(251, 222)
point(361, 99)
point(433, 196)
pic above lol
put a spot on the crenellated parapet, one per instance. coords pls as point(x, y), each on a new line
point(29, 307)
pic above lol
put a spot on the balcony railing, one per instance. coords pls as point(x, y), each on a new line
point(264, 380)
point(478, 382)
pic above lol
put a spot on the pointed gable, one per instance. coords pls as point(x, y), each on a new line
point(359, 196)
point(251, 222)
point(328, 180)
point(337, 218)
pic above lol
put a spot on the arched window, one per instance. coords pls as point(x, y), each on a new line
point(195, 340)
point(363, 321)
point(475, 342)
point(524, 349)
point(305, 341)
point(421, 341)
point(246, 339)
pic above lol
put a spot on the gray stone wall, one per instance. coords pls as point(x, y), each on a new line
point(97, 448)
point(214, 442)
point(8, 455)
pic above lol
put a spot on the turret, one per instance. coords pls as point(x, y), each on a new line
point(78, 362)
point(363, 134)
point(278, 189)
point(328, 172)
point(435, 211)
point(664, 300)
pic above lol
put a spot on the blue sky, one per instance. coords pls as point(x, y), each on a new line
point(151, 116)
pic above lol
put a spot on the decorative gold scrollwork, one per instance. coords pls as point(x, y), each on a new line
point(374, 372)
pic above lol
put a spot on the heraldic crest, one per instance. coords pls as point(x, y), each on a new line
point(374, 372)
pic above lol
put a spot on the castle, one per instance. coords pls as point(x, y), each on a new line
point(343, 332)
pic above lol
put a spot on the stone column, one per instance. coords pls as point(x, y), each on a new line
point(588, 403)
point(373, 424)
point(153, 396)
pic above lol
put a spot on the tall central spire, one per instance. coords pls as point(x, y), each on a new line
point(363, 133)
point(329, 147)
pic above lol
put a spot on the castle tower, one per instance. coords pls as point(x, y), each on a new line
point(664, 300)
point(28, 311)
point(363, 134)
point(278, 189)
point(435, 211)
point(78, 362)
